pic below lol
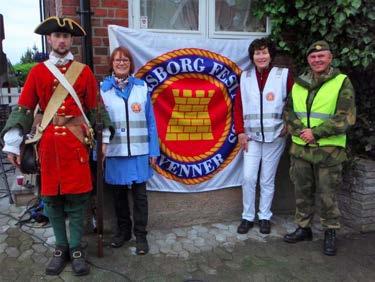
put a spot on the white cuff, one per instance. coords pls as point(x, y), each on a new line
point(11, 149)
point(13, 139)
point(106, 135)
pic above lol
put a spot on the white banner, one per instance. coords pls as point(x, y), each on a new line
point(192, 83)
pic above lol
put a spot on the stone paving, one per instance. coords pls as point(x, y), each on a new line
point(209, 252)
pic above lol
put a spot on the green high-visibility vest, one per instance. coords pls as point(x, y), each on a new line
point(323, 107)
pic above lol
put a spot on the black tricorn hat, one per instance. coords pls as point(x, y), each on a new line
point(56, 24)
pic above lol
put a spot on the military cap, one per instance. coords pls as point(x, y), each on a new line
point(57, 24)
point(317, 46)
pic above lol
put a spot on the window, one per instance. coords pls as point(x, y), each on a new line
point(207, 18)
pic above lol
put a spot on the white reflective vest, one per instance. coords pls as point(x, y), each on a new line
point(262, 110)
point(129, 119)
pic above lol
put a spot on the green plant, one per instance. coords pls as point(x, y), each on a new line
point(349, 27)
point(28, 56)
point(20, 71)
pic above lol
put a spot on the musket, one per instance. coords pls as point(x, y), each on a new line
point(99, 176)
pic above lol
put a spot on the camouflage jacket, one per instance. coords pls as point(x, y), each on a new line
point(337, 124)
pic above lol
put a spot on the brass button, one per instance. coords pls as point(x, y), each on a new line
point(64, 133)
point(54, 87)
point(63, 69)
point(62, 107)
point(57, 127)
point(55, 80)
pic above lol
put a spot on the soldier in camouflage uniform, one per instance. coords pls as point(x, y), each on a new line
point(318, 114)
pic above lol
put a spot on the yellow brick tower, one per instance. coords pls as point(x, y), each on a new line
point(190, 119)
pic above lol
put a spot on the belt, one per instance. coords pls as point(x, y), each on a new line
point(67, 120)
point(77, 126)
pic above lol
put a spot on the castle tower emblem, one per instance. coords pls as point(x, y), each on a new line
point(190, 119)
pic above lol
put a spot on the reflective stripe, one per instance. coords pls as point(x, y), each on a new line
point(265, 129)
point(133, 139)
point(132, 124)
point(322, 108)
point(265, 116)
point(313, 115)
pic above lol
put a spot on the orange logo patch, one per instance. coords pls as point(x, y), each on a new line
point(270, 96)
point(136, 107)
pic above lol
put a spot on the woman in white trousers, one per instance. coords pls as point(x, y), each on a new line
point(258, 118)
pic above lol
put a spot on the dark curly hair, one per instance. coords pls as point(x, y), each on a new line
point(260, 44)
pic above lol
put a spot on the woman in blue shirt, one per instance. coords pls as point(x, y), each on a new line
point(133, 150)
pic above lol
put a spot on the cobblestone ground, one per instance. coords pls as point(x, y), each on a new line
point(212, 252)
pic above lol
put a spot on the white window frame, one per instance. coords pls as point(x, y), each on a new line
point(206, 24)
point(134, 20)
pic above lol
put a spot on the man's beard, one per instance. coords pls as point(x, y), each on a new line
point(61, 54)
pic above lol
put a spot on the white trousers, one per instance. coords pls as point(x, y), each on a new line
point(268, 156)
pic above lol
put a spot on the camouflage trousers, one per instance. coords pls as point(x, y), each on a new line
point(316, 179)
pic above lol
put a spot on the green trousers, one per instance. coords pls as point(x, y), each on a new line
point(74, 208)
point(311, 180)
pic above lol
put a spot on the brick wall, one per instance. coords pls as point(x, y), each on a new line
point(105, 12)
point(357, 195)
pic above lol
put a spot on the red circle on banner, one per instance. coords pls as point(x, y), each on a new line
point(192, 105)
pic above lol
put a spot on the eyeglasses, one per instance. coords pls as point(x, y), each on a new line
point(123, 60)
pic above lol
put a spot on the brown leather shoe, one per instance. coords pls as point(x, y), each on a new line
point(59, 260)
point(244, 226)
point(264, 226)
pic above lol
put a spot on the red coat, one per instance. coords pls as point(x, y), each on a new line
point(64, 160)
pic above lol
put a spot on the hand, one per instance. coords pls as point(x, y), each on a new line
point(243, 139)
point(104, 149)
point(14, 159)
point(307, 136)
point(104, 152)
point(284, 131)
point(152, 161)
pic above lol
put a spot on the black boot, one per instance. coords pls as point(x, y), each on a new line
point(120, 238)
point(79, 265)
point(329, 247)
point(142, 247)
point(300, 234)
point(244, 226)
point(264, 226)
point(58, 261)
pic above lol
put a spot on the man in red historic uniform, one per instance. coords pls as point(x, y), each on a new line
point(63, 154)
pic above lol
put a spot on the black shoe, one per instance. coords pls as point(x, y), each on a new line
point(264, 226)
point(244, 226)
point(141, 247)
point(330, 247)
point(58, 261)
point(120, 238)
point(79, 264)
point(300, 234)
